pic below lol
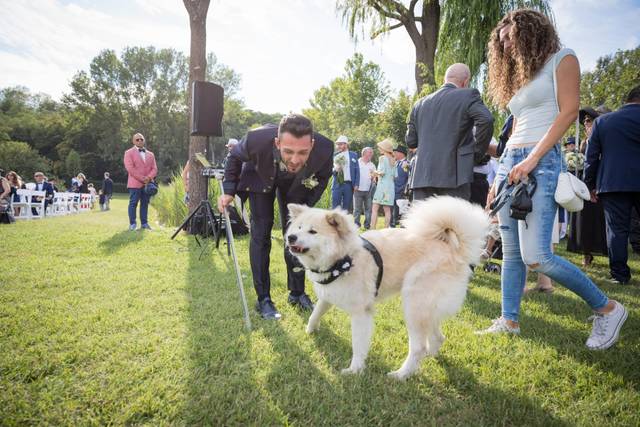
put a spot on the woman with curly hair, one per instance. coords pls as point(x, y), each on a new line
point(539, 83)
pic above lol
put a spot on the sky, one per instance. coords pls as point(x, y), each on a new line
point(283, 50)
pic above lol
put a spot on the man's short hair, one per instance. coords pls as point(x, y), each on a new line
point(38, 174)
point(295, 124)
point(634, 95)
point(365, 149)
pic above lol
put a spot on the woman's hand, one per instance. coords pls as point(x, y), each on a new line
point(490, 198)
point(522, 169)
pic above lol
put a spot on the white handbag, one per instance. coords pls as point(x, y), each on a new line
point(571, 192)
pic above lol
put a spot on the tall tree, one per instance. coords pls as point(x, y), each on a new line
point(197, 10)
point(349, 100)
point(457, 29)
point(612, 79)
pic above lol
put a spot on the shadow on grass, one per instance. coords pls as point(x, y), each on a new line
point(120, 240)
point(620, 359)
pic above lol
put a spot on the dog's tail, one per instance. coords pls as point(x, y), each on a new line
point(462, 225)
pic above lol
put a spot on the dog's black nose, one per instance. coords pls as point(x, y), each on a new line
point(291, 238)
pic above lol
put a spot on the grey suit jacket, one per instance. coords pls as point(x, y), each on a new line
point(440, 127)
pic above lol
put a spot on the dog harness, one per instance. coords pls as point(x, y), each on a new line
point(345, 263)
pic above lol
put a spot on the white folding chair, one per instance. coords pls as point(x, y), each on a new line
point(23, 204)
point(36, 205)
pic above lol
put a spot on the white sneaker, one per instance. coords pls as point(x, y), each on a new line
point(606, 328)
point(499, 326)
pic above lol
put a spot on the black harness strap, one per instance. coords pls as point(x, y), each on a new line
point(377, 258)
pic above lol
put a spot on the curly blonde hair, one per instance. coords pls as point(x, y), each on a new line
point(534, 39)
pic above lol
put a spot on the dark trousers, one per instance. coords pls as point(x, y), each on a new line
point(395, 212)
point(617, 215)
point(342, 196)
point(137, 195)
point(479, 189)
point(463, 192)
point(260, 245)
point(634, 234)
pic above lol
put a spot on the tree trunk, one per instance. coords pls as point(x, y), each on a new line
point(197, 10)
point(426, 46)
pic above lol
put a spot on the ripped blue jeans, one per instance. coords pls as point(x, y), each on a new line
point(529, 243)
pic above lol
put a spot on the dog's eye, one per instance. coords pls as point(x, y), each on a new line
point(313, 232)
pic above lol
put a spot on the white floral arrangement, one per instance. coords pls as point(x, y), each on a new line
point(575, 161)
point(338, 165)
point(310, 182)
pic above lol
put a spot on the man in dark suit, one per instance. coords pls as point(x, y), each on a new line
point(107, 191)
point(42, 185)
point(346, 175)
point(288, 162)
point(612, 173)
point(440, 127)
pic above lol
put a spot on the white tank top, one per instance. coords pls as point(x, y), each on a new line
point(535, 106)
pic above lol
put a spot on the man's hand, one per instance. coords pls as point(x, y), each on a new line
point(146, 179)
point(224, 201)
point(594, 196)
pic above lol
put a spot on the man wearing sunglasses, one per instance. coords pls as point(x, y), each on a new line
point(141, 167)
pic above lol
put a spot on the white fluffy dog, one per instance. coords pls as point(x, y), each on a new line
point(427, 262)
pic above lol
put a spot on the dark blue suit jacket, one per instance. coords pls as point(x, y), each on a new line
point(613, 152)
point(251, 166)
point(402, 177)
point(354, 170)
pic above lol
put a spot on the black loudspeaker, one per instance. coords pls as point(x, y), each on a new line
point(207, 109)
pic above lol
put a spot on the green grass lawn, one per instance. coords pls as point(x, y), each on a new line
point(99, 325)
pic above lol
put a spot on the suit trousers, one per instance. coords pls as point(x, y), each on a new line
point(262, 215)
point(362, 201)
point(138, 195)
point(342, 196)
point(617, 215)
point(423, 193)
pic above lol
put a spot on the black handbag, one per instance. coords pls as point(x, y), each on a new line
point(521, 196)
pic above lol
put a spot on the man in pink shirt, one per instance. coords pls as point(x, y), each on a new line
point(141, 167)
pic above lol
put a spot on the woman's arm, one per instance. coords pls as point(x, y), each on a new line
point(568, 82)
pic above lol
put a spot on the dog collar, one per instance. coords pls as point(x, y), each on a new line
point(340, 267)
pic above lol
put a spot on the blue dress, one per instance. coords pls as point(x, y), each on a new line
point(385, 190)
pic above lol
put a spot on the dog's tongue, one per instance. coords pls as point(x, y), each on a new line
point(296, 248)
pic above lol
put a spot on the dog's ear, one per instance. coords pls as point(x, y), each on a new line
point(295, 209)
point(340, 222)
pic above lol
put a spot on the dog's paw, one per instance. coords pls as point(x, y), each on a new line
point(351, 371)
point(399, 375)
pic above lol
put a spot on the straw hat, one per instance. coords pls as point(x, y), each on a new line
point(386, 145)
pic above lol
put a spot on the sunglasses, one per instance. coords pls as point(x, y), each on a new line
point(588, 121)
point(139, 139)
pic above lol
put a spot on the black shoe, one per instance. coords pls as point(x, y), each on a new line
point(615, 281)
point(302, 301)
point(267, 310)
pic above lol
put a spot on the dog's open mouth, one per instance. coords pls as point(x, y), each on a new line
point(297, 249)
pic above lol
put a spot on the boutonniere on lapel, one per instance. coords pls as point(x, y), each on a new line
point(310, 182)
point(283, 166)
point(405, 166)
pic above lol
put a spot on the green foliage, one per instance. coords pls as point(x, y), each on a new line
point(72, 164)
point(465, 27)
point(20, 157)
point(461, 33)
point(132, 328)
point(349, 100)
point(612, 79)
